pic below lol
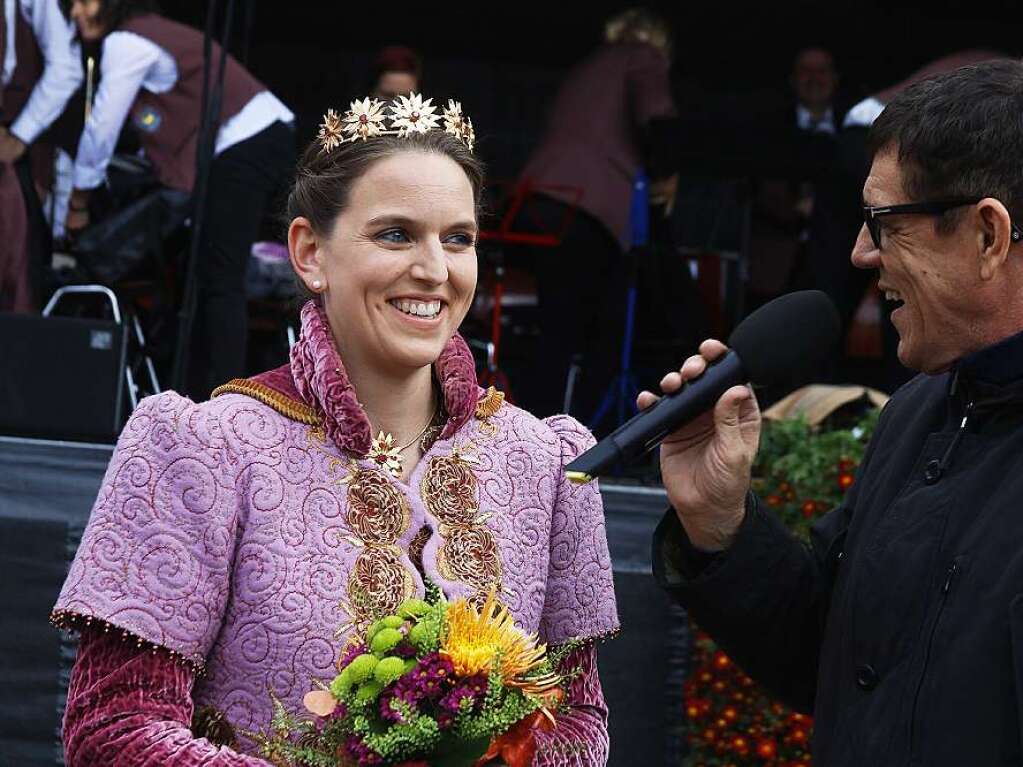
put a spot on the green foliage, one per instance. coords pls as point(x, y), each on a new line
point(802, 472)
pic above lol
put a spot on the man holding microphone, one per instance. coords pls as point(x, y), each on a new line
point(901, 626)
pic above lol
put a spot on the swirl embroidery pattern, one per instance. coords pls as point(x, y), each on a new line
point(469, 553)
point(378, 515)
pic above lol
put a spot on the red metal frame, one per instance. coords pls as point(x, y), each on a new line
point(504, 234)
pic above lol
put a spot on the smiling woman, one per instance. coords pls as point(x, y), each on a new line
point(255, 533)
point(398, 264)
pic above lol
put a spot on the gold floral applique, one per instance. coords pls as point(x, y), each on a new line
point(378, 515)
point(469, 553)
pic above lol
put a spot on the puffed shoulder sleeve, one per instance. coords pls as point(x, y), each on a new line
point(154, 562)
point(580, 599)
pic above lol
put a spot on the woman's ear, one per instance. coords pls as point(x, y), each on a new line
point(305, 254)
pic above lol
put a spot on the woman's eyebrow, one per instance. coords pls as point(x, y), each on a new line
point(396, 219)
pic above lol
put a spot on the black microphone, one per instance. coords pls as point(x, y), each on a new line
point(789, 332)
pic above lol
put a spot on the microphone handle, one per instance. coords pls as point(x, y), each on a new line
point(648, 428)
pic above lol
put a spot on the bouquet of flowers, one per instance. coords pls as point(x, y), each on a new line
point(439, 684)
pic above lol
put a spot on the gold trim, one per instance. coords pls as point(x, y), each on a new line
point(486, 409)
point(578, 477)
point(602, 636)
point(283, 404)
point(68, 620)
point(489, 404)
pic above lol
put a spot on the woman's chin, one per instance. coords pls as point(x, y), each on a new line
point(413, 354)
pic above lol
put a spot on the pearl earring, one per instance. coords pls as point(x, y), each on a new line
point(317, 284)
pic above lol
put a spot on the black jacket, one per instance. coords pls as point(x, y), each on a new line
point(901, 627)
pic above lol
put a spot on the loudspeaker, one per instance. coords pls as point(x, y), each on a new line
point(62, 378)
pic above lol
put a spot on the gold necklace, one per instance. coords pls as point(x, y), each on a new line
point(387, 455)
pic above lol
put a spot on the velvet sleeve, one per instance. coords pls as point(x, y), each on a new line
point(580, 736)
point(131, 706)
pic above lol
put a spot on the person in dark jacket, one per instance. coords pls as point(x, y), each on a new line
point(901, 626)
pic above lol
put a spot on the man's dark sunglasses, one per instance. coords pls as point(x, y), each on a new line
point(872, 214)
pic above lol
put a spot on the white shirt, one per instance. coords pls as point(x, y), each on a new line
point(62, 70)
point(130, 62)
point(863, 114)
point(805, 121)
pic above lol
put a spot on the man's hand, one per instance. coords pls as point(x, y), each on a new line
point(11, 147)
point(76, 221)
point(77, 213)
point(706, 464)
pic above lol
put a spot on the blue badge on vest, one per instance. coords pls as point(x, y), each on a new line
point(148, 119)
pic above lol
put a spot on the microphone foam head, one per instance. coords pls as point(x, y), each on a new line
point(786, 334)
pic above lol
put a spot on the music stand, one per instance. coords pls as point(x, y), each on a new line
point(621, 392)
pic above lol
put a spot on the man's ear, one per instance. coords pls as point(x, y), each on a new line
point(993, 236)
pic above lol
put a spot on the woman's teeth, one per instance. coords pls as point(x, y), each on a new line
point(893, 295)
point(426, 309)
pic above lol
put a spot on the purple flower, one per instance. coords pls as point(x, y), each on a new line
point(430, 678)
point(353, 652)
point(362, 753)
point(478, 684)
point(452, 701)
point(405, 650)
point(389, 714)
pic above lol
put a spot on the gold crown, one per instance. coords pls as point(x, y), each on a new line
point(408, 115)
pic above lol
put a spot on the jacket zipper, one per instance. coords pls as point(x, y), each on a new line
point(950, 574)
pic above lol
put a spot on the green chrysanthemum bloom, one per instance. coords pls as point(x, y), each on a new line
point(392, 622)
point(388, 670)
point(362, 667)
point(342, 684)
point(413, 608)
point(374, 629)
point(368, 691)
point(385, 641)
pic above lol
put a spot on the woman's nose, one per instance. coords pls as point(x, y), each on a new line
point(431, 263)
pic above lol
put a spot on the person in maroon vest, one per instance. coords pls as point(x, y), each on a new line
point(38, 74)
point(151, 72)
point(593, 145)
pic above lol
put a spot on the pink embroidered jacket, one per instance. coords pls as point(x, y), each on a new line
point(245, 537)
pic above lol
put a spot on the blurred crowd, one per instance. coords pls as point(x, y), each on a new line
point(637, 226)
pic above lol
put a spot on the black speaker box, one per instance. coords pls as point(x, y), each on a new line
point(62, 378)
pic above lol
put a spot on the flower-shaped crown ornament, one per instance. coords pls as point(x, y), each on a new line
point(403, 117)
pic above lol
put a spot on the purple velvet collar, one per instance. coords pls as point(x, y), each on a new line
point(316, 377)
